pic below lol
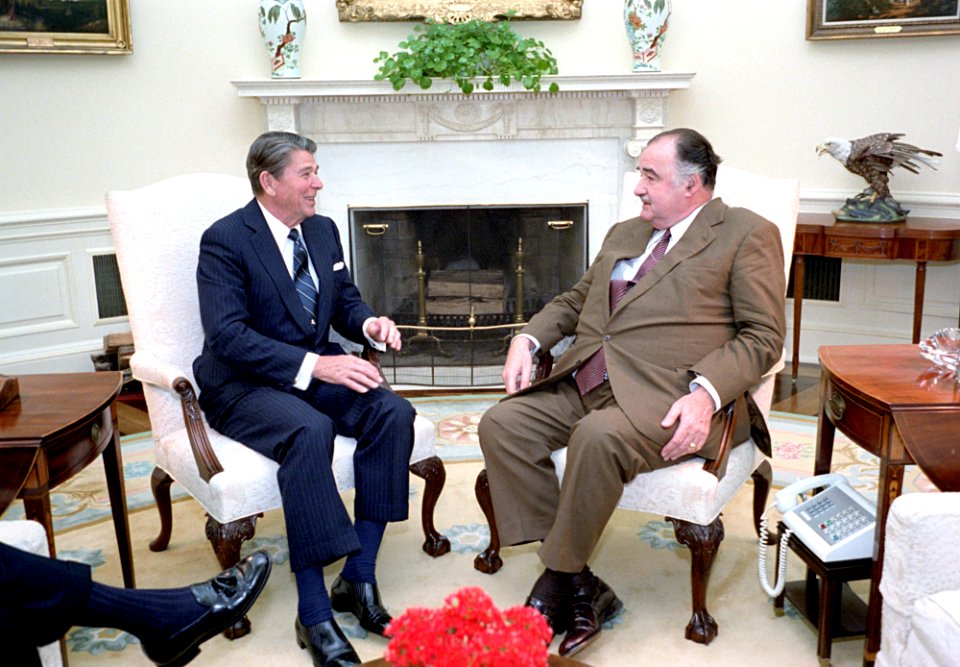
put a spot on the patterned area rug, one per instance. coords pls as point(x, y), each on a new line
point(638, 555)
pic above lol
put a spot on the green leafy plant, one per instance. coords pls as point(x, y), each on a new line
point(466, 53)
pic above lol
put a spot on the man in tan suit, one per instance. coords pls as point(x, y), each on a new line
point(680, 313)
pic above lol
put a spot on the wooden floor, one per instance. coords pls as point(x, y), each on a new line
point(800, 397)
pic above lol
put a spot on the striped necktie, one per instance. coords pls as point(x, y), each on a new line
point(594, 370)
point(301, 277)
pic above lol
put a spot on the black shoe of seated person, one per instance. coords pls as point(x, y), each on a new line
point(227, 596)
point(363, 601)
point(326, 644)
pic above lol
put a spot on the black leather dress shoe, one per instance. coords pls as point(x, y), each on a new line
point(594, 603)
point(326, 644)
point(227, 596)
point(363, 601)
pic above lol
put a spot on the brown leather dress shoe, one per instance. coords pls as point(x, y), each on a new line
point(552, 602)
point(594, 603)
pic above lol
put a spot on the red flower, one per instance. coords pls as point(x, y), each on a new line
point(468, 631)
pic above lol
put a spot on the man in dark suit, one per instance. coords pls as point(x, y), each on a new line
point(41, 598)
point(680, 313)
point(272, 282)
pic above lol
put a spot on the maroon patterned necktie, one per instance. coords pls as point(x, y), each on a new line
point(594, 370)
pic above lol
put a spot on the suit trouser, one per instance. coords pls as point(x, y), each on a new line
point(40, 599)
point(604, 453)
point(297, 430)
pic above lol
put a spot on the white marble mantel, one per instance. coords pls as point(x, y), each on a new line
point(632, 107)
point(379, 147)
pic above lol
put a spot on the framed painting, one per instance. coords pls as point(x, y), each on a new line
point(455, 10)
point(65, 26)
point(854, 19)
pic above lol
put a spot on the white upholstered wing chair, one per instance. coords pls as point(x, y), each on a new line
point(921, 582)
point(690, 494)
point(156, 232)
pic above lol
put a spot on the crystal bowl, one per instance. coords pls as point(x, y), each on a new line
point(943, 348)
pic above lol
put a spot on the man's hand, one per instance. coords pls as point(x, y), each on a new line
point(384, 330)
point(516, 369)
point(693, 411)
point(350, 371)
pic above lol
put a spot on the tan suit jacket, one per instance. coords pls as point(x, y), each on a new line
point(713, 306)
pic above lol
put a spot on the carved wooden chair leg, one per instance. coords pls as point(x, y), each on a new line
point(432, 472)
point(489, 560)
point(160, 483)
point(703, 542)
point(226, 539)
point(762, 478)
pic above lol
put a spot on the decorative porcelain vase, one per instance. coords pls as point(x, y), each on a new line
point(646, 22)
point(283, 26)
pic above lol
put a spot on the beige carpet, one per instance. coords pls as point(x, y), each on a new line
point(637, 556)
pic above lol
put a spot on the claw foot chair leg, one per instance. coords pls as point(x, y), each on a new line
point(489, 560)
point(160, 483)
point(431, 470)
point(226, 539)
point(703, 542)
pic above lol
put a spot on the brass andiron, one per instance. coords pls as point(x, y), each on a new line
point(518, 297)
point(518, 320)
point(422, 334)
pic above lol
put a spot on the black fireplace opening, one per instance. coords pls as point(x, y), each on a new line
point(460, 280)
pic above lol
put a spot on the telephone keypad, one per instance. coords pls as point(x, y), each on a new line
point(834, 516)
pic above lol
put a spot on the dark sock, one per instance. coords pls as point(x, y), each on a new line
point(362, 565)
point(554, 585)
point(146, 614)
point(313, 603)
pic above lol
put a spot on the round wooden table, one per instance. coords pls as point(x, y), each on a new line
point(60, 424)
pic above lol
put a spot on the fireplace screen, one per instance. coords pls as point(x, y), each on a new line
point(461, 280)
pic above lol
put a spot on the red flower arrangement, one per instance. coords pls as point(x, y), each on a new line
point(468, 631)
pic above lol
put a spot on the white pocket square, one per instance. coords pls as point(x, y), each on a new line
point(338, 266)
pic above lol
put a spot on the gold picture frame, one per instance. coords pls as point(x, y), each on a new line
point(97, 27)
point(840, 19)
point(352, 11)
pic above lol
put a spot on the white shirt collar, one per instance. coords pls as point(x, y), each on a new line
point(279, 230)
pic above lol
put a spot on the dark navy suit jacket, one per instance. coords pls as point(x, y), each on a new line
point(256, 331)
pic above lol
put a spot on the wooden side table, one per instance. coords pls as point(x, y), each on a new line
point(881, 398)
point(919, 240)
point(60, 424)
point(824, 597)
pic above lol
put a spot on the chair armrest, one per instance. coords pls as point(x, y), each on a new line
point(544, 365)
point(729, 420)
point(206, 459)
point(167, 377)
point(150, 370)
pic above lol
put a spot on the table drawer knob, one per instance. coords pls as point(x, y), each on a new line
point(836, 407)
point(95, 432)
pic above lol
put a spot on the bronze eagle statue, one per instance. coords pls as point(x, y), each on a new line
point(873, 158)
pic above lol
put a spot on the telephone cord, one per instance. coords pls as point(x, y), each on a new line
point(781, 579)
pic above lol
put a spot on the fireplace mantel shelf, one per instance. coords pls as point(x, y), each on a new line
point(629, 107)
point(288, 90)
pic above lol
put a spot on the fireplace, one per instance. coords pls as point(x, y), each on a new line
point(459, 280)
point(424, 164)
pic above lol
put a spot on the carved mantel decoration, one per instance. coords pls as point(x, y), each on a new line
point(630, 107)
point(452, 11)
